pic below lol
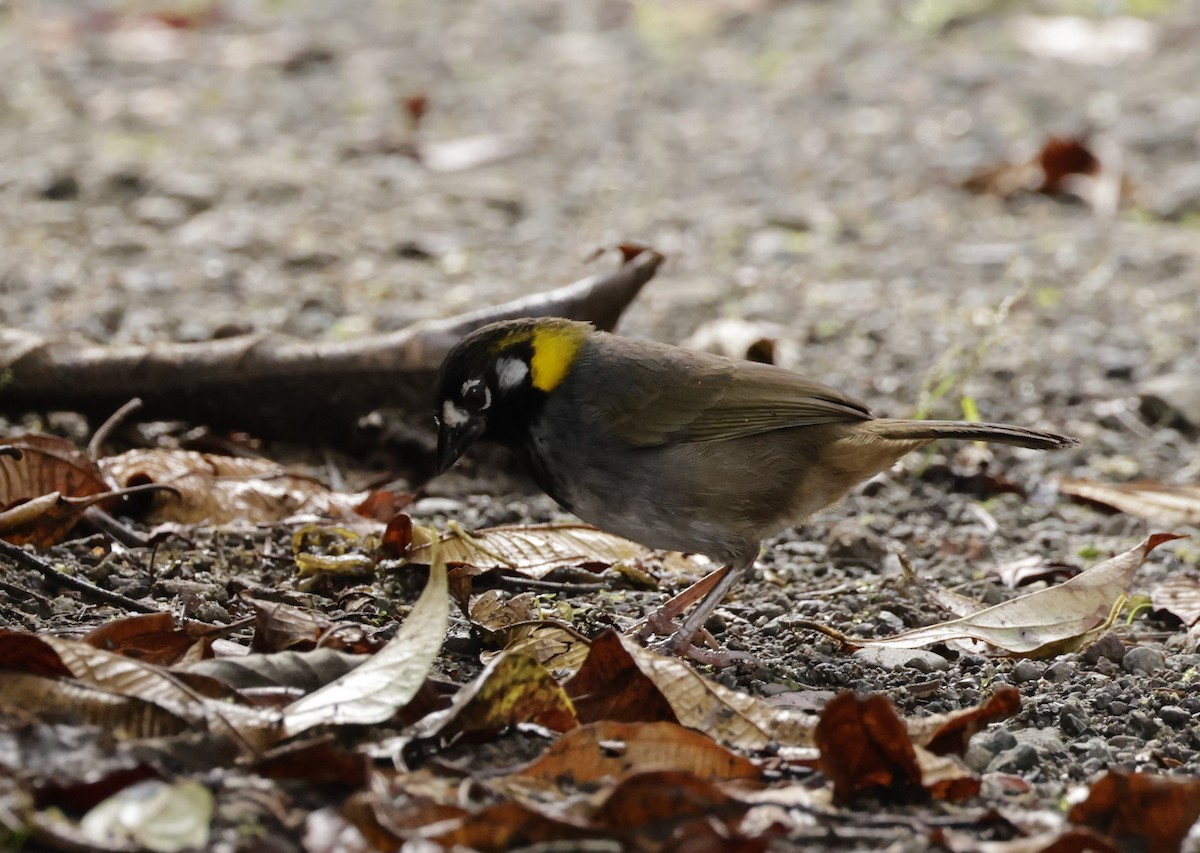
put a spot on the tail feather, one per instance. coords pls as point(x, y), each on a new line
point(901, 430)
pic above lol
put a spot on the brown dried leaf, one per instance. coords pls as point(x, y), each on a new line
point(621, 680)
point(865, 750)
point(209, 489)
point(389, 679)
point(47, 464)
point(59, 699)
point(279, 626)
point(605, 751)
point(46, 483)
point(512, 689)
point(151, 637)
point(296, 672)
point(509, 826)
point(1179, 595)
point(1159, 503)
point(46, 520)
point(948, 734)
point(133, 678)
point(1090, 171)
point(1044, 622)
point(648, 809)
point(1141, 811)
point(533, 550)
point(1027, 570)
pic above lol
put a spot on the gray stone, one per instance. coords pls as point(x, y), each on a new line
point(1174, 716)
point(1109, 646)
point(1142, 659)
point(1020, 758)
point(896, 658)
point(1172, 400)
point(1026, 671)
point(1059, 672)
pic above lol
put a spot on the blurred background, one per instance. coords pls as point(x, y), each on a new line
point(921, 202)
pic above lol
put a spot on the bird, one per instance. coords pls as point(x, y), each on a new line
point(672, 448)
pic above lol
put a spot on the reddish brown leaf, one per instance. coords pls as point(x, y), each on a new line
point(1159, 503)
point(865, 749)
point(509, 825)
point(45, 488)
point(318, 761)
point(648, 808)
point(153, 638)
point(1141, 811)
point(610, 686)
point(1062, 156)
point(604, 751)
point(397, 537)
point(47, 464)
point(27, 653)
point(948, 734)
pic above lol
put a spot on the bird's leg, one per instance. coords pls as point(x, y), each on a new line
point(681, 641)
point(662, 620)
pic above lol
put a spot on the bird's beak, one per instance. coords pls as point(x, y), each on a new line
point(453, 441)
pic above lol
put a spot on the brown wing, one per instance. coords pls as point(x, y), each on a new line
point(667, 394)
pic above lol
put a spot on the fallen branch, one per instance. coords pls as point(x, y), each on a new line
point(18, 556)
point(276, 385)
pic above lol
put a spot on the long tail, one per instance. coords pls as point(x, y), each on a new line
point(1001, 433)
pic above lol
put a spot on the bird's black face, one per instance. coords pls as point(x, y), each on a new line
point(483, 390)
point(494, 381)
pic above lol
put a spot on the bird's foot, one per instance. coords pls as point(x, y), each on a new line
point(680, 645)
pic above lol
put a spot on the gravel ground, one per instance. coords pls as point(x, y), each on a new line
point(799, 163)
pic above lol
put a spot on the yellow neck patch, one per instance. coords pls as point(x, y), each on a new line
point(554, 349)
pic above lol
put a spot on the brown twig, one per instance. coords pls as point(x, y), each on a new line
point(23, 558)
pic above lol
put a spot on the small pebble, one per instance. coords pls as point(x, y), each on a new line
point(1144, 724)
point(1019, 758)
point(1025, 671)
point(1174, 716)
point(922, 661)
point(996, 741)
point(1072, 720)
point(1142, 659)
point(1108, 647)
point(1059, 672)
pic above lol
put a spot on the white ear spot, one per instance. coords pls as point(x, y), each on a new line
point(452, 415)
point(511, 373)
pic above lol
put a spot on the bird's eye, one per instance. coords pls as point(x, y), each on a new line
point(475, 395)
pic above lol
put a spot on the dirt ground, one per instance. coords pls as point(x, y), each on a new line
point(800, 164)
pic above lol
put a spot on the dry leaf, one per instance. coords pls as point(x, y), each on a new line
point(1044, 622)
point(1158, 503)
point(385, 682)
point(605, 751)
point(948, 734)
point(621, 680)
point(1090, 171)
point(150, 637)
point(865, 749)
point(1178, 595)
point(1141, 811)
point(512, 689)
point(209, 489)
point(46, 483)
point(533, 550)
